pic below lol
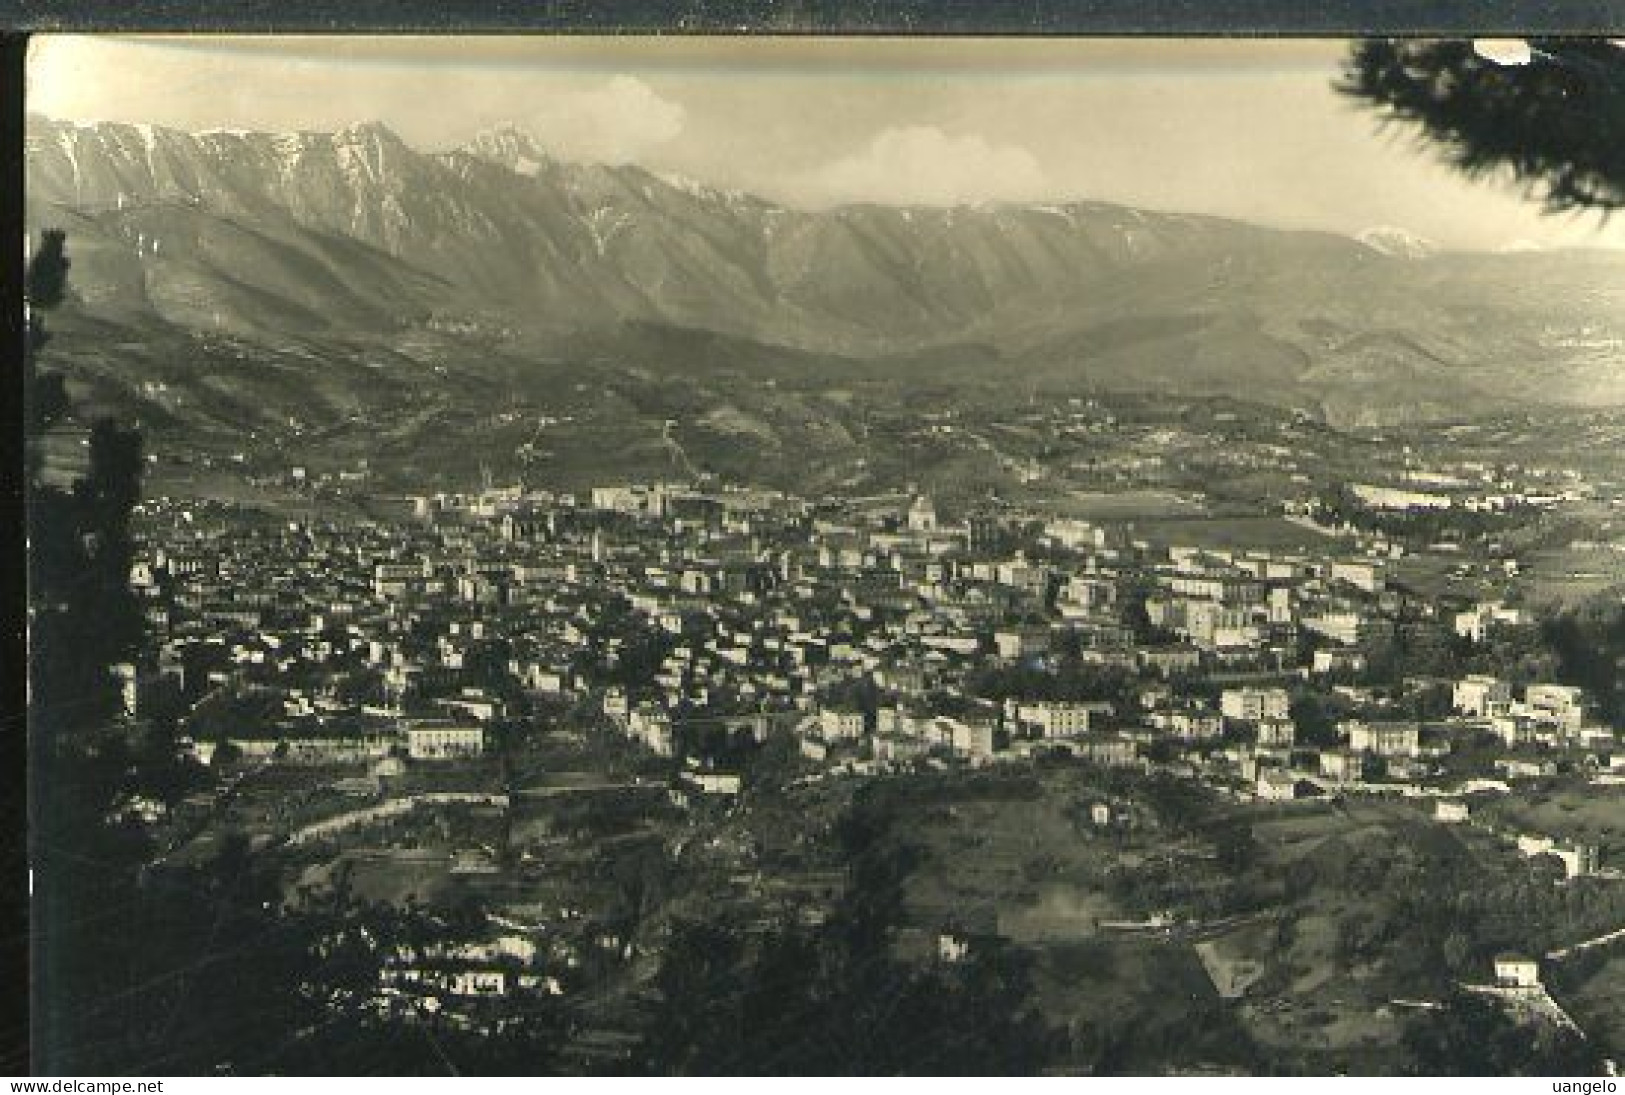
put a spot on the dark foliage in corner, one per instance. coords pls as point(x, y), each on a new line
point(1557, 123)
point(83, 616)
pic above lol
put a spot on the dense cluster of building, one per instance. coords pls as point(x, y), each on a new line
point(378, 664)
point(875, 631)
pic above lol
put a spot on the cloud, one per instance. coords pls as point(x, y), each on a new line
point(602, 117)
point(922, 165)
point(613, 122)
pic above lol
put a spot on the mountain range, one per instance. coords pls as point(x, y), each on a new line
point(346, 263)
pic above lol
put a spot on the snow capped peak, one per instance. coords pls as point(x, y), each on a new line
point(366, 133)
point(1397, 242)
point(691, 187)
point(509, 146)
point(696, 189)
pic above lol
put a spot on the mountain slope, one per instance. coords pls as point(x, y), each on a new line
point(357, 238)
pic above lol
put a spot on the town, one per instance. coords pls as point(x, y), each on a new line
point(487, 700)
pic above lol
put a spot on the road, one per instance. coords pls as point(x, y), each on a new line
point(1598, 941)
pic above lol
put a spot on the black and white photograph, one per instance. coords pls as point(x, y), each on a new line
point(661, 556)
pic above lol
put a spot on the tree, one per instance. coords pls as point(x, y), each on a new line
point(776, 763)
point(83, 618)
point(1234, 846)
point(834, 999)
point(1588, 644)
point(47, 279)
point(1459, 953)
point(83, 615)
point(1471, 1036)
point(1555, 123)
point(1314, 720)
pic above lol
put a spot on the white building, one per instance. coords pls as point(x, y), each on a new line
point(1057, 719)
point(1515, 971)
point(922, 515)
point(1450, 813)
point(1396, 498)
point(1215, 626)
point(1578, 859)
point(1339, 661)
point(652, 726)
point(715, 783)
point(1481, 618)
point(1561, 704)
point(1088, 593)
point(444, 740)
point(1254, 704)
point(1276, 733)
point(1477, 621)
point(1480, 696)
point(1015, 643)
point(841, 725)
point(1363, 574)
point(1069, 532)
point(1275, 785)
point(1386, 739)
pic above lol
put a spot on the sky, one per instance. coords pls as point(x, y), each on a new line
point(1251, 129)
